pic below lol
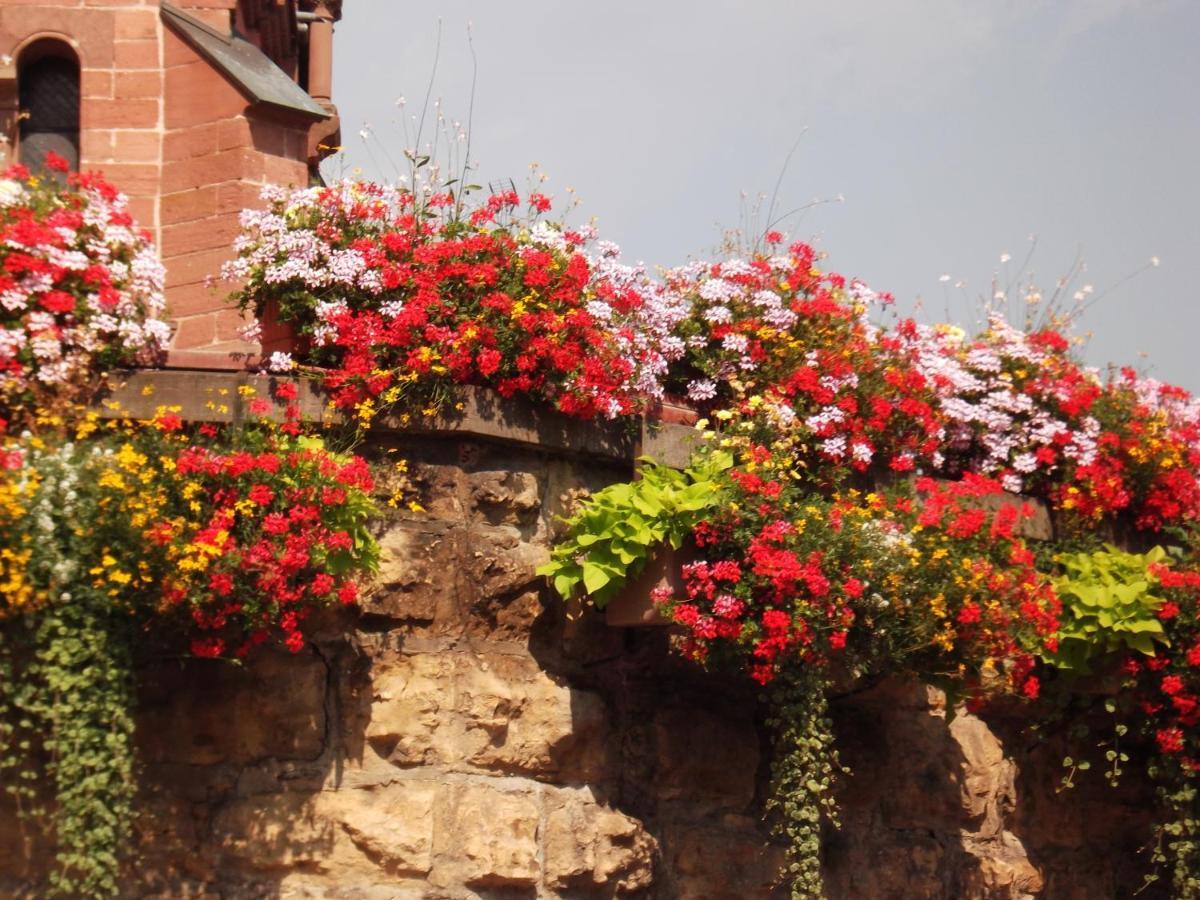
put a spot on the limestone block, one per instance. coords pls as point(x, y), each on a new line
point(516, 718)
point(392, 826)
point(409, 696)
point(987, 776)
point(490, 711)
point(500, 561)
point(587, 846)
point(1005, 869)
point(418, 569)
point(273, 831)
point(486, 837)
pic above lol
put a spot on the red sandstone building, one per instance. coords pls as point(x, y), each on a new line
point(188, 107)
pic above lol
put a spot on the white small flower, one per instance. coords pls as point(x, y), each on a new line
point(280, 362)
point(1005, 257)
point(251, 331)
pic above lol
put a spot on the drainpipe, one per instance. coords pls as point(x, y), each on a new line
point(320, 54)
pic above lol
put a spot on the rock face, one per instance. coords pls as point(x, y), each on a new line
point(464, 737)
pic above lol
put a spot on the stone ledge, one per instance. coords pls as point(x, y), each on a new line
point(213, 395)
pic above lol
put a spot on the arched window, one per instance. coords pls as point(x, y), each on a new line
point(48, 95)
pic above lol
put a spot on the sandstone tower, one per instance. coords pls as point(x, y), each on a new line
point(188, 107)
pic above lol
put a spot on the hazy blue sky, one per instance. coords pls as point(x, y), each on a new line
point(954, 129)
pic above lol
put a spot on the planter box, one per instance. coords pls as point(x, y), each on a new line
point(672, 410)
point(277, 336)
point(633, 606)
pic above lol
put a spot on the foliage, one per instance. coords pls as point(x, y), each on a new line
point(69, 705)
point(618, 528)
point(68, 689)
point(1177, 840)
point(80, 289)
point(803, 770)
point(1108, 605)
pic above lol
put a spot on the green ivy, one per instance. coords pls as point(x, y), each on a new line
point(620, 527)
point(804, 768)
point(65, 701)
point(1176, 847)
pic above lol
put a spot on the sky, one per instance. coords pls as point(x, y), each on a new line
point(924, 142)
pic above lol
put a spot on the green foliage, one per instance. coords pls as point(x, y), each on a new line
point(621, 526)
point(803, 770)
point(1108, 604)
point(1176, 846)
point(65, 707)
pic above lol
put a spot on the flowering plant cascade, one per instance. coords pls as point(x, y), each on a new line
point(775, 326)
point(80, 288)
point(1017, 407)
point(117, 533)
point(815, 564)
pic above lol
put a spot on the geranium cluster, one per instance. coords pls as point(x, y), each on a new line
point(1016, 406)
point(231, 538)
point(396, 298)
point(80, 288)
point(1167, 684)
point(926, 576)
point(777, 327)
point(399, 295)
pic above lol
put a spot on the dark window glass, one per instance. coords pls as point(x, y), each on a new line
point(48, 90)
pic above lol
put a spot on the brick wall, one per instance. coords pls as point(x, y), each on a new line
point(173, 133)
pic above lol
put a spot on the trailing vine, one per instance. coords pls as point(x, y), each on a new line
point(804, 767)
point(67, 696)
point(68, 686)
point(1176, 846)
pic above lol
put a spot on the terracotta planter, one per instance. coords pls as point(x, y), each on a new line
point(633, 606)
point(671, 410)
point(277, 336)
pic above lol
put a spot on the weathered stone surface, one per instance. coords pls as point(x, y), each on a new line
point(406, 709)
point(705, 760)
point(592, 848)
point(486, 837)
point(517, 718)
point(273, 831)
point(500, 561)
point(208, 711)
point(708, 862)
point(391, 826)
point(506, 498)
point(417, 572)
point(494, 712)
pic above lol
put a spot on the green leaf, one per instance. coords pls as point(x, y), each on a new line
point(594, 577)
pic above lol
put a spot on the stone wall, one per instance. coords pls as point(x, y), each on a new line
point(466, 736)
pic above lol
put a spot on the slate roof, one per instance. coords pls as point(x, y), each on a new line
point(247, 67)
